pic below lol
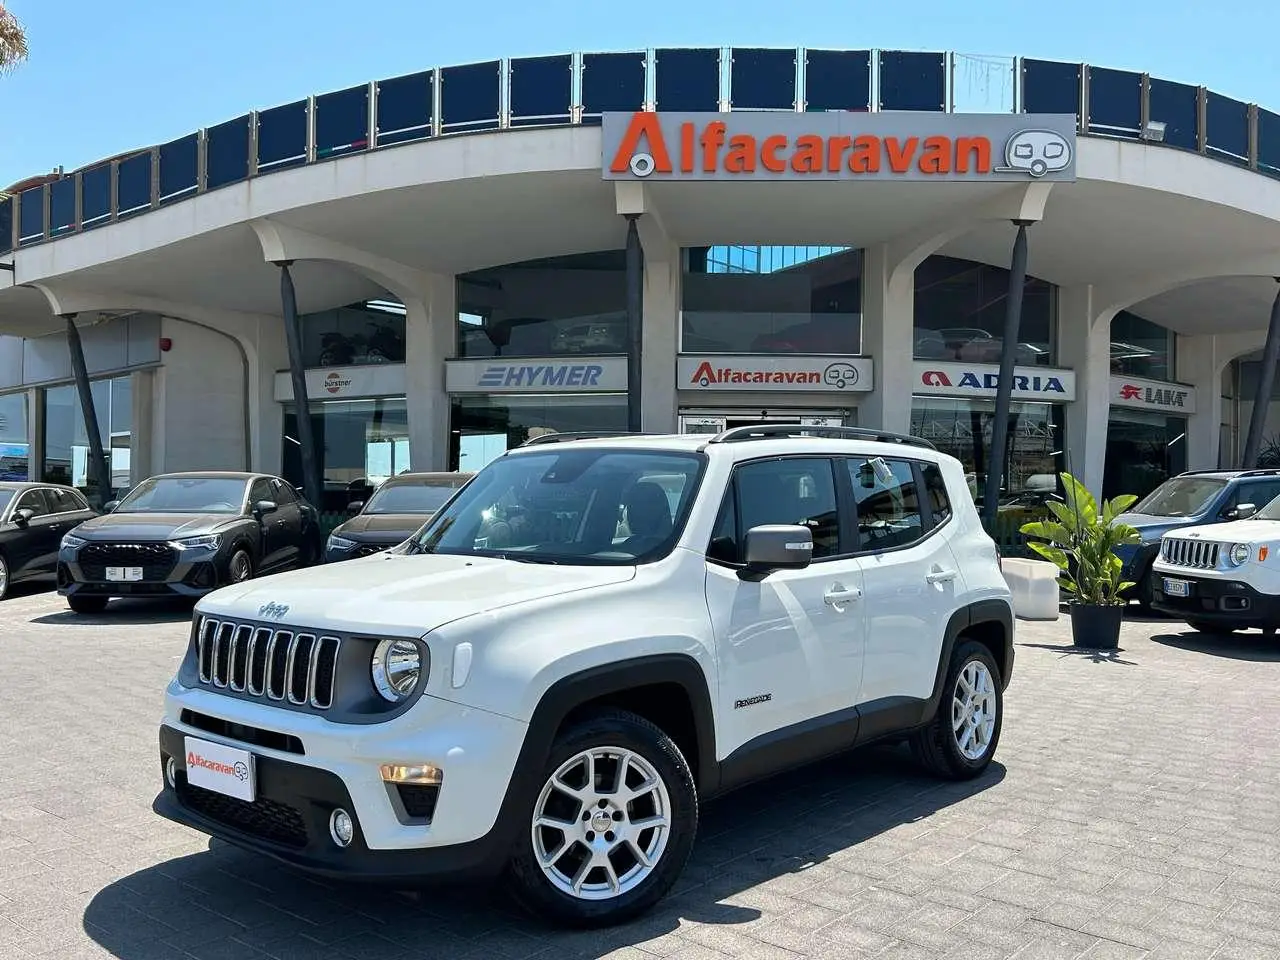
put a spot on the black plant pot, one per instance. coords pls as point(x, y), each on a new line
point(1096, 627)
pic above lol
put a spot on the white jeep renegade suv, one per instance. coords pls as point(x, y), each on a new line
point(1222, 577)
point(594, 635)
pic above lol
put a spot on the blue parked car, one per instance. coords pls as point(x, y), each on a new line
point(1190, 499)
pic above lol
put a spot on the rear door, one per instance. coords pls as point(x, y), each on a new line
point(912, 579)
point(273, 526)
point(289, 521)
point(789, 647)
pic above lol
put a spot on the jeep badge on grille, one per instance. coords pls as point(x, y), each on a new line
point(273, 610)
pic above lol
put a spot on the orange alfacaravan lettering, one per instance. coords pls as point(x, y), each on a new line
point(644, 125)
point(900, 154)
point(769, 158)
point(741, 157)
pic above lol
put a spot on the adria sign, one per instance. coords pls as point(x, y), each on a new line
point(1142, 394)
point(838, 146)
point(982, 380)
point(774, 373)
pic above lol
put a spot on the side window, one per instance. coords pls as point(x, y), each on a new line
point(935, 489)
point(63, 501)
point(799, 491)
point(1259, 494)
point(261, 490)
point(34, 501)
point(282, 493)
point(888, 502)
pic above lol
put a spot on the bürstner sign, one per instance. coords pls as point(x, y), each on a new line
point(1176, 398)
point(839, 146)
point(947, 379)
point(549, 375)
point(774, 373)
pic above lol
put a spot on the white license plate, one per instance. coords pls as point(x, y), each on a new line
point(224, 770)
point(124, 574)
point(1177, 588)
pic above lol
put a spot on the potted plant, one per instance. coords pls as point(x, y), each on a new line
point(1081, 542)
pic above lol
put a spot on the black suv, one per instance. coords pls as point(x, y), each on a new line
point(1191, 499)
point(185, 534)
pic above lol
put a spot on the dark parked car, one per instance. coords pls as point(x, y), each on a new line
point(185, 534)
point(1190, 499)
point(398, 508)
point(33, 518)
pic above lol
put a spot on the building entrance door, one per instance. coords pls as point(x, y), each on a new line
point(715, 421)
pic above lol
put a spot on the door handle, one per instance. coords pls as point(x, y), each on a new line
point(940, 576)
point(837, 593)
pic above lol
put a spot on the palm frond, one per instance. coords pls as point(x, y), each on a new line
point(13, 40)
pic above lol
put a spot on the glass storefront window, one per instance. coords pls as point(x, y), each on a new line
point(1140, 348)
point(66, 442)
point(14, 443)
point(960, 311)
point(1143, 450)
point(361, 443)
point(484, 427)
point(963, 428)
point(354, 335)
point(756, 299)
point(557, 306)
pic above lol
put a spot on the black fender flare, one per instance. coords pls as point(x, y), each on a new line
point(571, 692)
point(983, 611)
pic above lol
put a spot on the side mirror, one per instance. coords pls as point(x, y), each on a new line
point(1244, 511)
point(355, 506)
point(777, 547)
point(263, 507)
point(23, 517)
point(110, 506)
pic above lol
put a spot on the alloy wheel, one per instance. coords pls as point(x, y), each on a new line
point(601, 823)
point(240, 567)
point(4, 578)
point(973, 710)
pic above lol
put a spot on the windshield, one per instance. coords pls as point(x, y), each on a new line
point(185, 495)
point(410, 497)
point(1180, 497)
point(569, 506)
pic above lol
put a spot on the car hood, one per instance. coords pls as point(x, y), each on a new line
point(1153, 528)
point(1237, 531)
point(400, 595)
point(382, 527)
point(152, 526)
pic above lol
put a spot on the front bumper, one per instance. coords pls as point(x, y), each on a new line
point(166, 572)
point(308, 766)
point(1215, 600)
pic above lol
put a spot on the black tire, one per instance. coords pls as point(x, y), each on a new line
point(4, 577)
point(613, 728)
point(935, 745)
point(79, 604)
point(240, 566)
point(1145, 590)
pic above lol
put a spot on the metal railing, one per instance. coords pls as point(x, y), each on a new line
point(575, 89)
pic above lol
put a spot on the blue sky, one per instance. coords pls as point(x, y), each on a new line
point(108, 77)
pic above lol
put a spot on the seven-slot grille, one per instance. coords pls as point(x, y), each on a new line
point(1202, 554)
point(269, 662)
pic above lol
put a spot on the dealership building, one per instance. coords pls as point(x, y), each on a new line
point(449, 263)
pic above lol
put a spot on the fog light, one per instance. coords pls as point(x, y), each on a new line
point(341, 829)
point(423, 773)
point(171, 773)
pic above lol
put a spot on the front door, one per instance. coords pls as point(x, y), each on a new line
point(789, 646)
point(34, 552)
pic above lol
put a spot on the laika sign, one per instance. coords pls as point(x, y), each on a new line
point(1141, 394)
point(838, 146)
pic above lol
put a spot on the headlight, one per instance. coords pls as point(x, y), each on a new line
point(340, 543)
point(70, 542)
point(1239, 553)
point(396, 668)
point(209, 542)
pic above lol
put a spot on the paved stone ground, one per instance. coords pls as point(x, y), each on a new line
point(1134, 812)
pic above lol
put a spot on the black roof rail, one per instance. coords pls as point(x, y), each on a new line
point(1260, 472)
point(771, 431)
point(569, 437)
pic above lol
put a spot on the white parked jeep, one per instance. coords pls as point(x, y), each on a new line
point(591, 638)
point(1222, 577)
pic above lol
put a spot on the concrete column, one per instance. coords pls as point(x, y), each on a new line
point(142, 462)
point(662, 284)
point(35, 434)
point(430, 337)
point(1200, 365)
point(888, 322)
point(1084, 345)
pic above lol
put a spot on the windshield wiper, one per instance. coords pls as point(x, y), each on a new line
point(526, 558)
